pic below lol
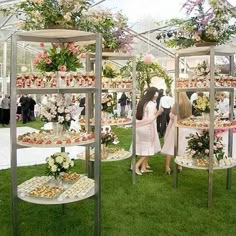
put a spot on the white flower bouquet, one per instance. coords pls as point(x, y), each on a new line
point(58, 163)
point(56, 110)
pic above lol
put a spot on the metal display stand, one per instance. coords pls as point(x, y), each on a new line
point(90, 65)
point(57, 36)
point(210, 51)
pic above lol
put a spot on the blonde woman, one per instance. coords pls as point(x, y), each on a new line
point(185, 111)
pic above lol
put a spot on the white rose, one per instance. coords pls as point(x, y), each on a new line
point(51, 162)
point(60, 109)
point(59, 159)
point(66, 165)
point(54, 168)
point(67, 16)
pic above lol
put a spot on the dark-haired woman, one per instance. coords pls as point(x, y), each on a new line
point(147, 140)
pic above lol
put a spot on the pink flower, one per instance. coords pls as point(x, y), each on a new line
point(55, 45)
point(39, 55)
point(45, 54)
point(62, 68)
point(71, 46)
point(75, 51)
point(41, 44)
point(207, 151)
point(148, 59)
point(36, 61)
point(48, 61)
point(199, 144)
point(83, 55)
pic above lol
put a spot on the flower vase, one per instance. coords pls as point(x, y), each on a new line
point(105, 115)
point(104, 152)
point(57, 128)
point(58, 181)
point(206, 116)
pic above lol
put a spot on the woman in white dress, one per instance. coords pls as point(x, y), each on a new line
point(147, 140)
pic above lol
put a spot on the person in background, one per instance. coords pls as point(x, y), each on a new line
point(24, 100)
point(18, 110)
point(129, 101)
point(32, 104)
point(160, 95)
point(123, 103)
point(1, 108)
point(166, 102)
point(223, 105)
point(147, 140)
point(5, 110)
point(185, 111)
point(82, 104)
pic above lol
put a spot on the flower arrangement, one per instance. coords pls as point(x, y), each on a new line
point(58, 163)
point(43, 14)
point(215, 25)
point(60, 57)
point(198, 145)
point(146, 67)
point(108, 104)
point(202, 104)
point(112, 26)
point(108, 137)
point(56, 110)
point(109, 71)
point(202, 69)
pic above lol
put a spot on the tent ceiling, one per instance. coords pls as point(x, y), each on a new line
point(145, 30)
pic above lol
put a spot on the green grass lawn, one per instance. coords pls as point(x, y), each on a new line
point(151, 207)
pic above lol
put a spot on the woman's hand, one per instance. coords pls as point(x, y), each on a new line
point(159, 112)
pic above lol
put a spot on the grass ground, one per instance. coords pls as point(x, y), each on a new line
point(151, 207)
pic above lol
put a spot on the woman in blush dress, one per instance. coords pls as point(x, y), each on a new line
point(185, 111)
point(147, 140)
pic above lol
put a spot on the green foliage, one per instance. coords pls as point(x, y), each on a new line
point(145, 72)
point(112, 27)
point(42, 14)
point(109, 72)
point(108, 137)
point(198, 145)
point(216, 25)
point(63, 57)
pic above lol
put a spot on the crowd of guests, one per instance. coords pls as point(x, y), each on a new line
point(25, 109)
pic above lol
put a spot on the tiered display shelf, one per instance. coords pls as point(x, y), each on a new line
point(42, 189)
point(120, 85)
point(213, 123)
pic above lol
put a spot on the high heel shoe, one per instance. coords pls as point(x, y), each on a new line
point(168, 171)
point(180, 168)
point(146, 171)
point(137, 171)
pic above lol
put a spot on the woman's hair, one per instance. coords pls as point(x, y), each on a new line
point(185, 107)
point(148, 96)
